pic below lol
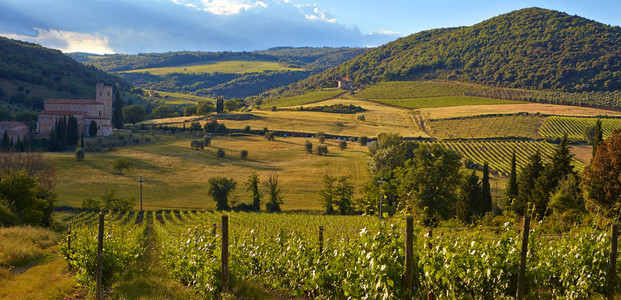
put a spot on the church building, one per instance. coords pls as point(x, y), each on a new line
point(98, 110)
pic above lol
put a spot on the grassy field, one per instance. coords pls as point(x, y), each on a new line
point(176, 176)
point(231, 66)
point(310, 97)
point(485, 127)
point(417, 89)
point(533, 108)
point(378, 118)
point(443, 101)
point(555, 126)
point(180, 99)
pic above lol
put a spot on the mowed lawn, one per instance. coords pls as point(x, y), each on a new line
point(176, 176)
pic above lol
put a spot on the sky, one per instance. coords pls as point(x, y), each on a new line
point(144, 26)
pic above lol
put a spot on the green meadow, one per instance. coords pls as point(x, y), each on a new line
point(230, 66)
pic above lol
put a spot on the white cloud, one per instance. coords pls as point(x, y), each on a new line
point(67, 41)
point(222, 7)
point(314, 13)
point(386, 32)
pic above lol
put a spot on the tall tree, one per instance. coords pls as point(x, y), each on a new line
point(61, 131)
point(92, 128)
point(485, 205)
point(72, 131)
point(344, 192)
point(134, 114)
point(219, 189)
point(526, 183)
point(512, 186)
point(6, 143)
point(117, 115)
point(468, 197)
point(598, 136)
point(273, 192)
point(219, 104)
point(601, 178)
point(430, 179)
point(252, 185)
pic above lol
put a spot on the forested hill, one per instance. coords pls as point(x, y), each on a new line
point(30, 73)
point(304, 57)
point(531, 48)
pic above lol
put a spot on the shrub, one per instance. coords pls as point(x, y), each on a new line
point(207, 141)
point(243, 154)
point(343, 145)
point(247, 129)
point(309, 147)
point(79, 154)
point(321, 137)
point(270, 135)
point(121, 164)
point(221, 153)
point(322, 149)
point(363, 140)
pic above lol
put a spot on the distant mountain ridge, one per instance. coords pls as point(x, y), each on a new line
point(531, 48)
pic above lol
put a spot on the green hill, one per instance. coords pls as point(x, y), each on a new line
point(30, 74)
point(212, 74)
point(532, 48)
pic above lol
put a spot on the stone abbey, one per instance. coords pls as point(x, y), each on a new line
point(98, 110)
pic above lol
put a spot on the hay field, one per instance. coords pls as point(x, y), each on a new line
point(176, 176)
point(378, 118)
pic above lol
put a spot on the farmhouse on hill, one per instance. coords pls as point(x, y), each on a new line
point(346, 83)
point(16, 131)
point(98, 110)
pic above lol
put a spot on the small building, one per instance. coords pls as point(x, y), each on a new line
point(346, 83)
point(85, 111)
point(16, 131)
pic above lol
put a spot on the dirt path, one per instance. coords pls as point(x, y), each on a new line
point(148, 278)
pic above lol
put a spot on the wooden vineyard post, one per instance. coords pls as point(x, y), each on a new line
point(409, 253)
point(612, 268)
point(320, 240)
point(522, 271)
point(430, 236)
point(225, 253)
point(99, 257)
point(213, 229)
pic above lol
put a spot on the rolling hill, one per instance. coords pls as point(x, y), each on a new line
point(228, 74)
point(30, 74)
point(532, 48)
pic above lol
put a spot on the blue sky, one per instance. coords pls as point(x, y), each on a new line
point(139, 26)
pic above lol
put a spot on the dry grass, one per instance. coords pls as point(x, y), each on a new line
point(23, 245)
point(583, 153)
point(378, 118)
point(45, 281)
point(231, 66)
point(176, 176)
point(475, 110)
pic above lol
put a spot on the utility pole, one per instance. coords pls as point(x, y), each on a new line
point(141, 181)
point(381, 182)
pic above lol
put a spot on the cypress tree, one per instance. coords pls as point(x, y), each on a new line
point(512, 186)
point(72, 131)
point(92, 128)
point(486, 195)
point(468, 197)
point(526, 183)
point(117, 115)
point(61, 132)
point(6, 143)
point(82, 141)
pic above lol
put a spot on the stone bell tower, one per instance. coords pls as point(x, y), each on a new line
point(104, 95)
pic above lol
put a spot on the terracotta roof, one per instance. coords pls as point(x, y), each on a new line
point(70, 101)
point(11, 123)
point(62, 112)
